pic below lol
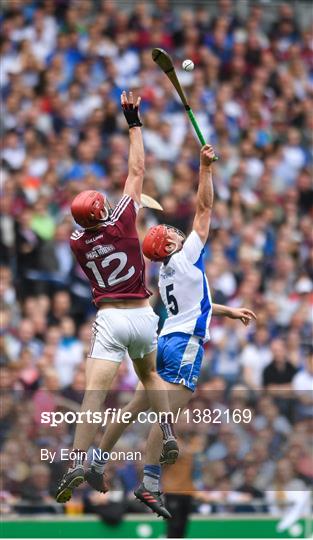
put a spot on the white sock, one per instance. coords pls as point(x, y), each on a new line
point(99, 465)
point(151, 477)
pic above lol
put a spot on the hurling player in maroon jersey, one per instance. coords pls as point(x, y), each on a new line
point(108, 251)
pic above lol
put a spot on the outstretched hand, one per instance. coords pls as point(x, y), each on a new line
point(128, 102)
point(244, 314)
point(131, 111)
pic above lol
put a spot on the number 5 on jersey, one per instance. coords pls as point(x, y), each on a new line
point(171, 300)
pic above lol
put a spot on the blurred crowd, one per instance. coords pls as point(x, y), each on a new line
point(63, 65)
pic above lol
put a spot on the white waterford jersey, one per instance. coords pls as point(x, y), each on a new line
point(185, 291)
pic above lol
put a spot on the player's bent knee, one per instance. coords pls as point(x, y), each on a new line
point(136, 408)
point(144, 372)
point(146, 376)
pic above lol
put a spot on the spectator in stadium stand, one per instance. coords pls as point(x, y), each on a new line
point(37, 490)
point(303, 380)
point(260, 454)
point(60, 307)
point(285, 488)
point(27, 249)
point(7, 290)
point(300, 456)
point(250, 473)
point(278, 375)
point(69, 352)
point(75, 390)
point(223, 499)
point(302, 386)
point(55, 259)
point(255, 356)
point(227, 345)
point(268, 416)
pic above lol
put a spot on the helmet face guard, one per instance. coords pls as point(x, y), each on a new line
point(162, 241)
point(90, 208)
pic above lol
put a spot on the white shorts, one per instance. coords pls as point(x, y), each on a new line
point(117, 331)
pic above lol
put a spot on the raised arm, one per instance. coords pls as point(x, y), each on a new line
point(136, 159)
point(205, 195)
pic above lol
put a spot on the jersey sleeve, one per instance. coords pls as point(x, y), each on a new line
point(75, 240)
point(193, 247)
point(124, 214)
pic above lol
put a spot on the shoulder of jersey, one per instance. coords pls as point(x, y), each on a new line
point(118, 210)
point(76, 235)
point(177, 256)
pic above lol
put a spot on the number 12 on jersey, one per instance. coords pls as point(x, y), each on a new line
point(113, 278)
point(171, 300)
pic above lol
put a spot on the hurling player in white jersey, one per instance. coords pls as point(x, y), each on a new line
point(185, 292)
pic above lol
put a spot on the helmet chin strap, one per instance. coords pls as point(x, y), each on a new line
point(166, 259)
point(106, 217)
point(108, 212)
point(177, 248)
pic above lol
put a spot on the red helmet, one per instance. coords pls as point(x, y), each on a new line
point(87, 208)
point(161, 241)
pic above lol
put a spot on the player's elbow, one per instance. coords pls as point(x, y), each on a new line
point(204, 212)
point(201, 224)
point(203, 233)
point(133, 184)
point(137, 171)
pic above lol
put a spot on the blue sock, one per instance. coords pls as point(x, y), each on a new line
point(151, 477)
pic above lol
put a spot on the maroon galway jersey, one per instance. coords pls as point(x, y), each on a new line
point(111, 256)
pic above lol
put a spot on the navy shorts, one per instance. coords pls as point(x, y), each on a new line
point(179, 358)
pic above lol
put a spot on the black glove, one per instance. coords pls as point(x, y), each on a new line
point(131, 115)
